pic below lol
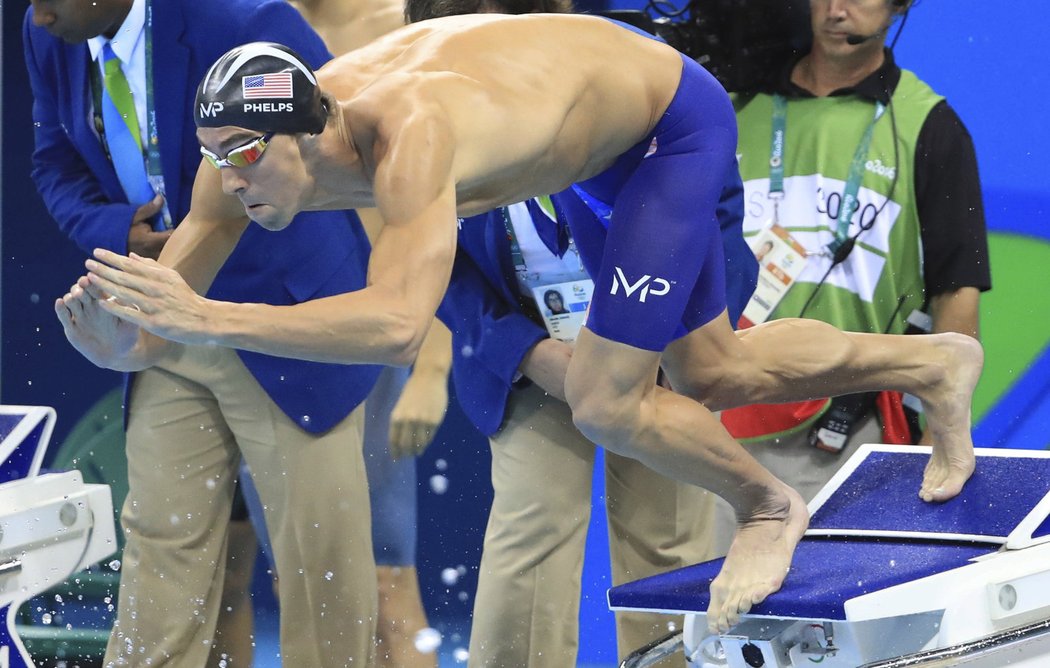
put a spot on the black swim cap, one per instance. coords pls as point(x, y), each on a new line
point(260, 86)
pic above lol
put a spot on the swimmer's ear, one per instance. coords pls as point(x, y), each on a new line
point(328, 106)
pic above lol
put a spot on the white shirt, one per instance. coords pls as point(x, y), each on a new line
point(543, 265)
point(130, 46)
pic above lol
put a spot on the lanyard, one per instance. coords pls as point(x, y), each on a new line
point(855, 175)
point(515, 248)
point(151, 150)
point(153, 167)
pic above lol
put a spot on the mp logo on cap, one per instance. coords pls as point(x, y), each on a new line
point(211, 109)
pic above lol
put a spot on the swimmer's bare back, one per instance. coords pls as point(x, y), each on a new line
point(532, 103)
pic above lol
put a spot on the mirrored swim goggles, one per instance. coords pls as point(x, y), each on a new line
point(242, 156)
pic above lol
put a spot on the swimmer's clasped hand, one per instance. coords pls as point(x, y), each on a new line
point(103, 339)
point(145, 293)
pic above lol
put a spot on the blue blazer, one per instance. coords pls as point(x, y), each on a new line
point(319, 255)
point(491, 332)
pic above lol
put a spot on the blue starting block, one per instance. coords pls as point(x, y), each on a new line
point(884, 579)
point(51, 525)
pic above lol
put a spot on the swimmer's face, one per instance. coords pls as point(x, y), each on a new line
point(272, 187)
point(76, 21)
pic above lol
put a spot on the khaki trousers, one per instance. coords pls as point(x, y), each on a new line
point(192, 418)
point(800, 465)
point(527, 607)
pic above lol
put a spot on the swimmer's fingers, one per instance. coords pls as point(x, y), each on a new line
point(120, 301)
point(70, 306)
point(125, 294)
point(125, 272)
point(65, 315)
point(132, 263)
point(85, 285)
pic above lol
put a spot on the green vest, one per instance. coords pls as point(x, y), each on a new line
point(822, 134)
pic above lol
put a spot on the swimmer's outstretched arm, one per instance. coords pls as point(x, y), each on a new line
point(384, 323)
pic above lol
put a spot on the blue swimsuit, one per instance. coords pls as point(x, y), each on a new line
point(657, 256)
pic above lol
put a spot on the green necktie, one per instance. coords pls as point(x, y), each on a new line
point(121, 125)
point(119, 91)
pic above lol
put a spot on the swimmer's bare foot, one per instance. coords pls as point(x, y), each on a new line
point(947, 407)
point(758, 559)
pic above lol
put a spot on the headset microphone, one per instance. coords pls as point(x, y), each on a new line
point(854, 40)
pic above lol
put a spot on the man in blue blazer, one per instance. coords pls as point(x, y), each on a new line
point(195, 414)
point(527, 605)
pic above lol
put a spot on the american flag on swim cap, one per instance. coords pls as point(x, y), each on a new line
point(273, 85)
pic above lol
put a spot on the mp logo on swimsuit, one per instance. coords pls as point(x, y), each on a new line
point(648, 285)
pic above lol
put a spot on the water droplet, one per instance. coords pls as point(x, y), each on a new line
point(460, 654)
point(438, 484)
point(449, 576)
point(427, 640)
point(441, 465)
point(329, 575)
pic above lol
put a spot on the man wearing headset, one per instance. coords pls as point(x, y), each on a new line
point(854, 132)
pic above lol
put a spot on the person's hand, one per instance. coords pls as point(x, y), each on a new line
point(418, 413)
point(142, 240)
point(546, 364)
point(104, 339)
point(149, 295)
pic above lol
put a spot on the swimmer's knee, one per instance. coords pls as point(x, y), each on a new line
point(609, 423)
point(699, 385)
point(587, 415)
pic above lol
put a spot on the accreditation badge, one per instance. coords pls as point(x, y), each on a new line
point(564, 307)
point(780, 261)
